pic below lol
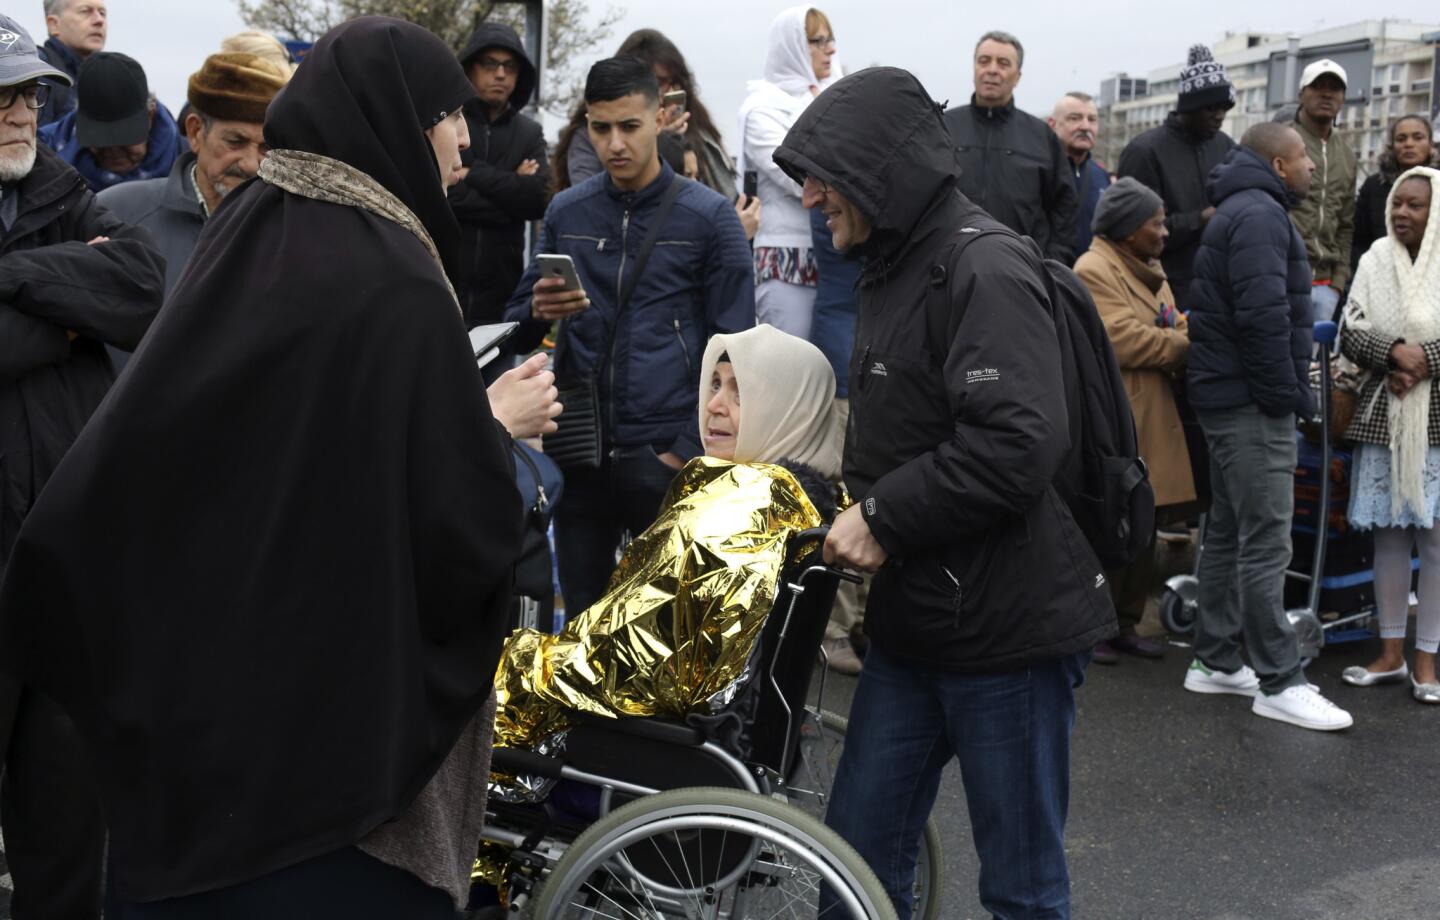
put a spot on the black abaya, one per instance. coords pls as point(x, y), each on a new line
point(270, 579)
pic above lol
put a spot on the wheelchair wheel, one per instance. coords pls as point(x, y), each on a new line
point(1176, 615)
point(704, 852)
point(820, 747)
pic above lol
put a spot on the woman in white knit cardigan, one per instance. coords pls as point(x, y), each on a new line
point(1392, 331)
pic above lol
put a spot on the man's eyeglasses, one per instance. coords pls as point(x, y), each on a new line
point(822, 41)
point(490, 65)
point(808, 181)
point(34, 94)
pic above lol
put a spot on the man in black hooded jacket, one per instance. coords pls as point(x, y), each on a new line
point(987, 597)
point(505, 176)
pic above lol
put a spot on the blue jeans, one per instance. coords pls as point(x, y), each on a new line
point(598, 507)
point(1011, 734)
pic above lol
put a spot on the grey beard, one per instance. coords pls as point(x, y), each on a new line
point(14, 167)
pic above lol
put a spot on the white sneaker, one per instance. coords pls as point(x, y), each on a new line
point(1200, 679)
point(1304, 707)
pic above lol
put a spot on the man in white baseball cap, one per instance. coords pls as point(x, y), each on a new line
point(1326, 218)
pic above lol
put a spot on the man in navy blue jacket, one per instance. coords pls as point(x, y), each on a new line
point(698, 282)
point(1250, 342)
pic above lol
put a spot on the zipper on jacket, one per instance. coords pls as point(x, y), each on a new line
point(864, 364)
point(1324, 193)
point(599, 241)
point(542, 504)
point(615, 337)
point(683, 348)
point(959, 595)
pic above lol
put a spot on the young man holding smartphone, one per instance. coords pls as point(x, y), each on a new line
point(643, 354)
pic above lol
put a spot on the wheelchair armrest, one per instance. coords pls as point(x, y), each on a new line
point(515, 762)
point(652, 728)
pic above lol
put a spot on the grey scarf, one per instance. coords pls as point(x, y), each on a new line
point(311, 175)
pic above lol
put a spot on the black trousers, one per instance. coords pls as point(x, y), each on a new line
point(345, 885)
point(49, 810)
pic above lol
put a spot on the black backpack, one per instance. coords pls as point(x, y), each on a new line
point(1104, 481)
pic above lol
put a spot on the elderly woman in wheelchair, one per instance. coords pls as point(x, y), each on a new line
point(656, 759)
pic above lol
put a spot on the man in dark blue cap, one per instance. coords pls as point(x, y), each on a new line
point(118, 132)
point(73, 279)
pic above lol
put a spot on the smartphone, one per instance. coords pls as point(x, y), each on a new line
point(752, 179)
point(558, 266)
point(485, 341)
point(675, 99)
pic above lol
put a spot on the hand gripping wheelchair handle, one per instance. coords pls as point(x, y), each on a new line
point(818, 534)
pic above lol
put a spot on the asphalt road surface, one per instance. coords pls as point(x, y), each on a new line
point(1187, 806)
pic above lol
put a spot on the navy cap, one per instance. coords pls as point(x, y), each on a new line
point(112, 101)
point(19, 62)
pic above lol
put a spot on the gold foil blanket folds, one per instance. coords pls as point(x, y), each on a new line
point(681, 614)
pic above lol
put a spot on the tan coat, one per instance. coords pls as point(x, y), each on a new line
point(1129, 294)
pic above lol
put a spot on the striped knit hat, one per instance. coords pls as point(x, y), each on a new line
point(1203, 82)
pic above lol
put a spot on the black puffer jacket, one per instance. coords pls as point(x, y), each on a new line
point(493, 203)
point(1250, 314)
point(1176, 165)
point(950, 453)
point(53, 285)
point(1013, 166)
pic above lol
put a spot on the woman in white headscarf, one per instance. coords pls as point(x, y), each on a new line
point(1392, 331)
point(800, 61)
point(691, 593)
point(788, 388)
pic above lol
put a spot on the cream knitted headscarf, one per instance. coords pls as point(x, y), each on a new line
point(787, 393)
point(1401, 298)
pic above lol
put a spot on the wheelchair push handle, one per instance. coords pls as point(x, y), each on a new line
point(819, 534)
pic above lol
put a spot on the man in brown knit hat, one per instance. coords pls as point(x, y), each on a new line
point(228, 96)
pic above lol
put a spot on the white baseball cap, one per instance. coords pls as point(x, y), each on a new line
point(1321, 67)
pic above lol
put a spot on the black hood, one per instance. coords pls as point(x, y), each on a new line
point(879, 139)
point(499, 35)
point(1244, 169)
point(365, 95)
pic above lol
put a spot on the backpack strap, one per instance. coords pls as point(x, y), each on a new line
point(938, 308)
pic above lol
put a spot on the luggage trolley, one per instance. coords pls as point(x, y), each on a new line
point(1180, 602)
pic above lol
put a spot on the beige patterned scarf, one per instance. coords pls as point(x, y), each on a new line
point(311, 175)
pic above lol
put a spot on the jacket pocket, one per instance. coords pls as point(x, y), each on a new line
point(599, 242)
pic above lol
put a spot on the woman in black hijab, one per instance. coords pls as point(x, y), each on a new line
point(270, 579)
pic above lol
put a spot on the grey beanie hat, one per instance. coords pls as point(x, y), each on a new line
point(1124, 208)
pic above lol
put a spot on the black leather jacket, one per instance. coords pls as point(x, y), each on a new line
point(1013, 166)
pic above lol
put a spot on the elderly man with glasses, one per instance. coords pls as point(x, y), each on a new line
point(73, 279)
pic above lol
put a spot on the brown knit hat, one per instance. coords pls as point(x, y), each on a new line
point(232, 86)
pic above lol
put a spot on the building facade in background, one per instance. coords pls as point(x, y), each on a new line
point(1393, 67)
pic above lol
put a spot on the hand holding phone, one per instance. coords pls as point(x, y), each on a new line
point(752, 182)
point(558, 293)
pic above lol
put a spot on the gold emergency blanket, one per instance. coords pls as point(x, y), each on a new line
point(682, 611)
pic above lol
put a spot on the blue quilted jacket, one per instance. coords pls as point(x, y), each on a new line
point(699, 281)
point(1250, 314)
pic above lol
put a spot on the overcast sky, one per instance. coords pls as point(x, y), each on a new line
point(724, 41)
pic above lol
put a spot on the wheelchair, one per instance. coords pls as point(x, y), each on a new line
point(715, 817)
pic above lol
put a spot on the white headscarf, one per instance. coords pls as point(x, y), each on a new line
point(787, 389)
point(1398, 297)
point(789, 74)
